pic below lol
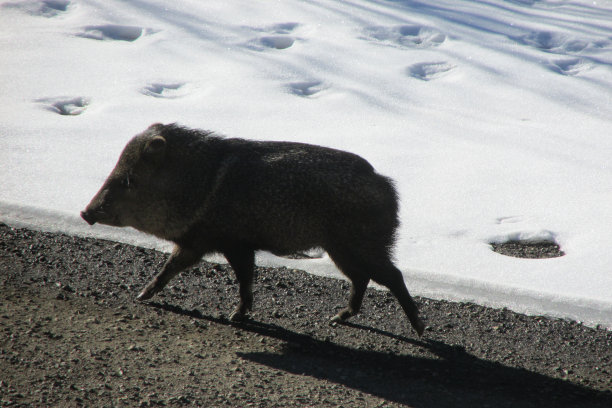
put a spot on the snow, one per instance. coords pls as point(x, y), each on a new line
point(494, 118)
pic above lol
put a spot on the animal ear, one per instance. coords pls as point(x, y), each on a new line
point(156, 126)
point(155, 149)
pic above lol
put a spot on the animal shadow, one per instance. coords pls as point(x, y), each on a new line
point(447, 377)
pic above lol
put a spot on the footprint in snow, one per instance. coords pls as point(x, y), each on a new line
point(307, 89)
point(414, 36)
point(570, 66)
point(280, 42)
point(66, 106)
point(42, 8)
point(549, 41)
point(278, 36)
point(168, 90)
point(427, 71)
point(112, 32)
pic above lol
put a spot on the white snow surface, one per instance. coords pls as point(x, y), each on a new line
point(494, 118)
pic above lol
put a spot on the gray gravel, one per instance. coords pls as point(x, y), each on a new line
point(71, 335)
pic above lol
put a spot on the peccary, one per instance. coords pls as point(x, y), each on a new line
point(208, 193)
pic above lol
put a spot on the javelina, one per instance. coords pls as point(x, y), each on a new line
point(208, 194)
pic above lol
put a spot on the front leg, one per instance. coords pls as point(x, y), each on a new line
point(180, 259)
point(242, 261)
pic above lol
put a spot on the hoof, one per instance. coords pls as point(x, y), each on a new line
point(237, 316)
point(419, 327)
point(341, 316)
point(335, 319)
point(144, 295)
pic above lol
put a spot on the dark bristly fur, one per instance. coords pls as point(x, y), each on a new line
point(210, 194)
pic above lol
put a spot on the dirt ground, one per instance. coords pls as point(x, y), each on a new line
point(71, 336)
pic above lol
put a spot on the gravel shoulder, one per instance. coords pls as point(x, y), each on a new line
point(71, 335)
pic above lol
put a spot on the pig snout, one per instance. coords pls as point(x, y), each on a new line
point(97, 209)
point(89, 217)
point(101, 216)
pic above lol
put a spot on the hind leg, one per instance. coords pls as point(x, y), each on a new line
point(242, 261)
point(359, 282)
point(388, 275)
point(378, 267)
point(358, 289)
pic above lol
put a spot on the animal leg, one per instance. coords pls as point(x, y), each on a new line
point(358, 289)
point(347, 263)
point(180, 259)
point(391, 277)
point(243, 262)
